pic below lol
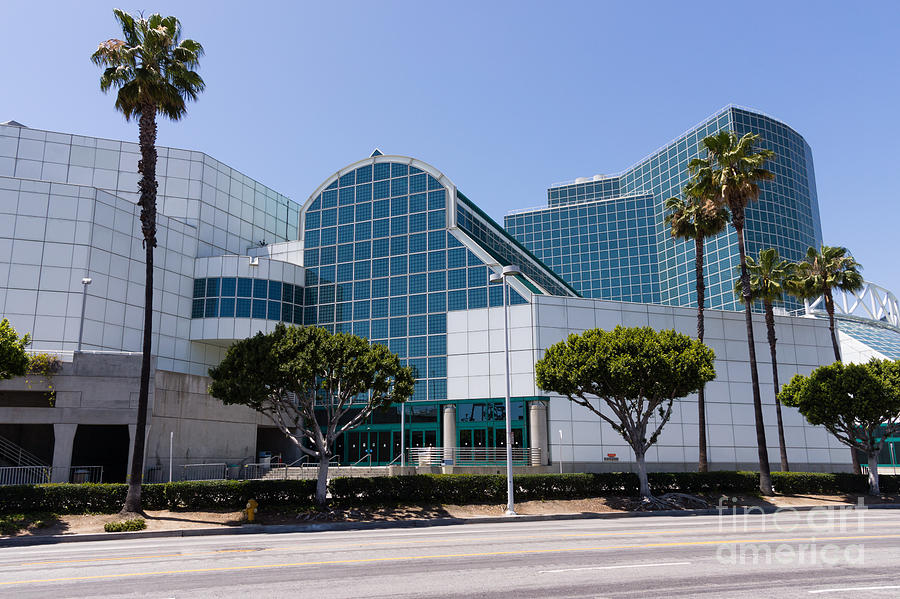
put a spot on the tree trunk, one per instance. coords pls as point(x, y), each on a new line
point(642, 475)
point(854, 456)
point(322, 482)
point(874, 488)
point(765, 476)
point(703, 465)
point(147, 185)
point(770, 328)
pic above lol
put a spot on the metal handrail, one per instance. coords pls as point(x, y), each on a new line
point(368, 456)
point(15, 453)
point(312, 464)
point(391, 463)
point(472, 456)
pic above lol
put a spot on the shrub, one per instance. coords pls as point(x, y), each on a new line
point(125, 525)
point(826, 483)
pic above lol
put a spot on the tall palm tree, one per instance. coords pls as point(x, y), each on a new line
point(822, 271)
point(153, 71)
point(695, 216)
point(737, 172)
point(770, 276)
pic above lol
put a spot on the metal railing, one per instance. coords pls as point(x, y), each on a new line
point(24, 475)
point(204, 471)
point(19, 456)
point(85, 474)
point(472, 456)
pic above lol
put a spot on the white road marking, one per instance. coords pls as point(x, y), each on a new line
point(845, 589)
point(616, 567)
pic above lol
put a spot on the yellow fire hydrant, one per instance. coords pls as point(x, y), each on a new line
point(251, 510)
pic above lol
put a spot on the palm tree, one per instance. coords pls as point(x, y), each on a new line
point(152, 69)
point(769, 278)
point(695, 217)
point(820, 272)
point(737, 171)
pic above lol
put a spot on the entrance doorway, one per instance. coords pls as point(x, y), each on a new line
point(103, 445)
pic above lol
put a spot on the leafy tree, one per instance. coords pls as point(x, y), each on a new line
point(820, 273)
point(769, 277)
point(737, 169)
point(858, 403)
point(694, 217)
point(313, 384)
point(637, 372)
point(13, 357)
point(153, 70)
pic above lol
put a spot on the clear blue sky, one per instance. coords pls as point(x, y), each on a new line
point(505, 98)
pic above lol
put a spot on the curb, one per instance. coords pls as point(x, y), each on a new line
point(383, 525)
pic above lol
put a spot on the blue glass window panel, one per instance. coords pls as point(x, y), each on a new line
point(381, 228)
point(326, 294)
point(437, 389)
point(437, 345)
point(417, 222)
point(456, 300)
point(399, 187)
point(275, 290)
point(398, 265)
point(399, 206)
point(418, 304)
point(309, 316)
point(362, 290)
point(344, 292)
point(399, 170)
point(380, 308)
point(380, 288)
point(399, 226)
point(313, 219)
point(329, 197)
point(363, 231)
point(343, 311)
point(418, 242)
point(327, 255)
point(287, 293)
point(419, 391)
point(418, 284)
point(433, 183)
point(418, 263)
point(345, 272)
point(398, 327)
point(332, 185)
point(437, 200)
point(343, 327)
point(298, 294)
point(311, 238)
point(346, 196)
point(197, 308)
point(260, 288)
point(361, 310)
point(346, 215)
point(437, 280)
point(329, 217)
point(298, 315)
point(326, 313)
point(417, 183)
point(381, 189)
point(418, 202)
point(398, 285)
point(382, 171)
point(362, 270)
point(317, 203)
point(515, 298)
point(348, 179)
point(456, 279)
point(326, 274)
point(242, 308)
point(381, 247)
point(363, 211)
point(419, 365)
point(361, 329)
point(437, 367)
point(436, 220)
point(329, 236)
point(477, 298)
point(287, 313)
point(274, 310)
point(362, 251)
point(478, 276)
point(259, 308)
point(398, 306)
point(345, 233)
point(437, 260)
point(452, 242)
point(380, 329)
point(199, 287)
point(382, 209)
point(364, 174)
point(398, 245)
point(437, 240)
point(437, 302)
point(212, 287)
point(416, 325)
point(345, 252)
point(437, 324)
point(228, 286)
point(417, 347)
point(380, 267)
point(473, 259)
point(456, 258)
point(398, 347)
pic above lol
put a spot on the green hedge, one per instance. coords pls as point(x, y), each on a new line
point(125, 525)
point(822, 483)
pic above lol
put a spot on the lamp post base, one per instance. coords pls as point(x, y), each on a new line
point(510, 512)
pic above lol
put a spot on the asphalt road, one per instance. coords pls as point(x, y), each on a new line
point(784, 555)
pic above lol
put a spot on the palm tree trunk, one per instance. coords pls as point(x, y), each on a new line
point(703, 465)
point(765, 476)
point(770, 327)
point(147, 185)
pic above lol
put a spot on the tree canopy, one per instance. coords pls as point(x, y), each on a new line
point(857, 403)
point(637, 372)
point(295, 374)
point(13, 357)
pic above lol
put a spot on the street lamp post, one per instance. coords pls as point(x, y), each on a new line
point(84, 285)
point(508, 271)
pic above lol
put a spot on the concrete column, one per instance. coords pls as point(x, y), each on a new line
point(448, 430)
point(63, 441)
point(537, 431)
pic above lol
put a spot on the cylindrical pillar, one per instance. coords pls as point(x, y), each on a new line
point(537, 432)
point(448, 432)
point(63, 442)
